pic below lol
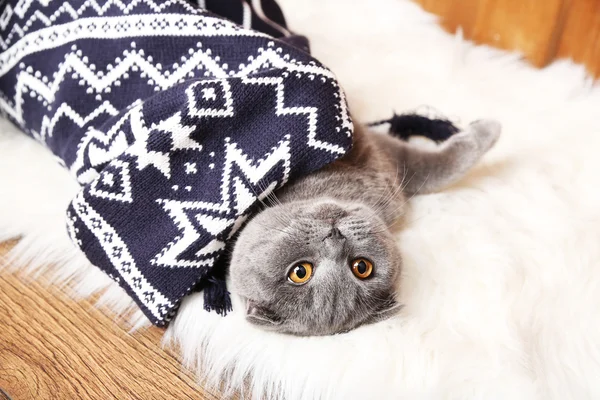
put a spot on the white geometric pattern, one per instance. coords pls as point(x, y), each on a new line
point(67, 8)
point(209, 95)
point(113, 143)
point(65, 110)
point(120, 256)
point(174, 143)
point(116, 28)
point(114, 182)
point(160, 160)
point(253, 171)
point(171, 126)
point(310, 112)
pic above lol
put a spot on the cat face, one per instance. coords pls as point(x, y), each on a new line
point(315, 268)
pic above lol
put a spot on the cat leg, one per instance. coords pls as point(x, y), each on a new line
point(426, 170)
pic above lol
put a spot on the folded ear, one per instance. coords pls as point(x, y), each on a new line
point(261, 315)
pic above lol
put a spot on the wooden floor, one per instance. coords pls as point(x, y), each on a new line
point(54, 348)
point(542, 30)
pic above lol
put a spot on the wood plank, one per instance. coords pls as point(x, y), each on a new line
point(454, 14)
point(542, 30)
point(527, 26)
point(54, 348)
point(580, 39)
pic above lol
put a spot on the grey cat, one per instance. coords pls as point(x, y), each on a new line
point(323, 259)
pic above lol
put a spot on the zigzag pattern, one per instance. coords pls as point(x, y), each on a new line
point(65, 110)
point(102, 81)
point(117, 28)
point(254, 171)
point(310, 112)
point(23, 5)
point(135, 61)
point(114, 143)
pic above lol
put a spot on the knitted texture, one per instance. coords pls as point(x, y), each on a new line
point(175, 122)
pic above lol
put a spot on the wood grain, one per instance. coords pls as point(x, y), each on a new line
point(580, 38)
point(54, 348)
point(524, 25)
point(541, 30)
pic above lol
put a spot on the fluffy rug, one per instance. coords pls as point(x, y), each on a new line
point(501, 280)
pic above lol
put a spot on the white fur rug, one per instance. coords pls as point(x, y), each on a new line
point(502, 271)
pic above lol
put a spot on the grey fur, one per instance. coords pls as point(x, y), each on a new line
point(359, 198)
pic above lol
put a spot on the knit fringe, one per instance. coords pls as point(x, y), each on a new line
point(404, 126)
point(216, 296)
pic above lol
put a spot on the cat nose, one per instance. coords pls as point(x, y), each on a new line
point(335, 234)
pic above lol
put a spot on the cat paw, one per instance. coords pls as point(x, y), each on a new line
point(485, 132)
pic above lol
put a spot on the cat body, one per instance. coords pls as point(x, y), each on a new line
point(322, 259)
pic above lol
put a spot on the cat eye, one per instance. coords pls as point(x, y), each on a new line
point(362, 268)
point(300, 273)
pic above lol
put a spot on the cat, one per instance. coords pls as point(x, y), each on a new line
point(323, 259)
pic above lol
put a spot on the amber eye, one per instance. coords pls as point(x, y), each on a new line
point(300, 273)
point(362, 268)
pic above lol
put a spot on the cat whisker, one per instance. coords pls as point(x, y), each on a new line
point(381, 206)
point(401, 186)
point(284, 219)
point(276, 229)
point(407, 200)
point(393, 195)
point(384, 192)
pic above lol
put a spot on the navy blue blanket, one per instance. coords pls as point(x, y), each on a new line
point(174, 120)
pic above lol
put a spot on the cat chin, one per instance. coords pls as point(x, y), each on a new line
point(265, 319)
point(261, 316)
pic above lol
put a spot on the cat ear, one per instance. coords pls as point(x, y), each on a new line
point(260, 315)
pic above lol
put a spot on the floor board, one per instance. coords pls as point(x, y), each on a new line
point(542, 31)
point(52, 347)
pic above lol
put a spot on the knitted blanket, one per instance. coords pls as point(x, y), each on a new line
point(174, 120)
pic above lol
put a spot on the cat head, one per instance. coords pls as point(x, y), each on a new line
point(315, 268)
